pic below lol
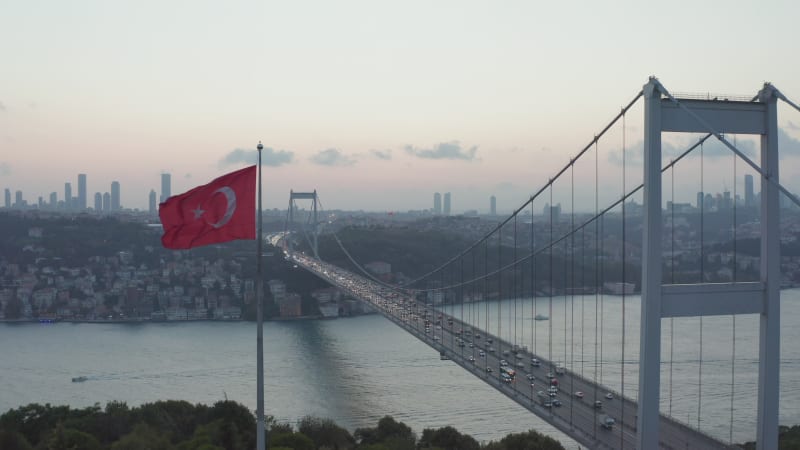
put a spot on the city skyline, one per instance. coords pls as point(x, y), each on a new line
point(399, 116)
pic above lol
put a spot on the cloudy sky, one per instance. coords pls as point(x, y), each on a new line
point(376, 104)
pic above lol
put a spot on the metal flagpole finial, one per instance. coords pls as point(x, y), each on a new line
point(260, 147)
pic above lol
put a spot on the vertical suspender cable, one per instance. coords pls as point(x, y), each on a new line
point(624, 258)
point(514, 279)
point(499, 291)
point(733, 317)
point(672, 281)
point(572, 298)
point(550, 309)
point(702, 280)
point(596, 271)
point(583, 291)
point(486, 295)
point(533, 285)
point(461, 289)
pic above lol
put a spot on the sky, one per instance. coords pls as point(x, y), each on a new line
point(375, 104)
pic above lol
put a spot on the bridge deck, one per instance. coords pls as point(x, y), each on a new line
point(577, 417)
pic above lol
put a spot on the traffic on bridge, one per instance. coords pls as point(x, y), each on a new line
point(582, 409)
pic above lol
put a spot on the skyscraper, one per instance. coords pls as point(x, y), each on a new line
point(115, 196)
point(749, 198)
point(53, 200)
point(166, 187)
point(81, 191)
point(152, 202)
point(700, 201)
point(493, 205)
point(446, 209)
point(98, 201)
point(19, 202)
point(8, 198)
point(67, 196)
point(106, 202)
point(437, 204)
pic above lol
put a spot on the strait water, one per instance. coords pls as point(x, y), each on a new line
point(356, 370)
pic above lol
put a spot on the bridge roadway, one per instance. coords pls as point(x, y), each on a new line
point(481, 354)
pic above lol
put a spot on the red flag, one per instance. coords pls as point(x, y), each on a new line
point(220, 211)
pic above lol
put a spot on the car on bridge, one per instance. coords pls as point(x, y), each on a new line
point(579, 394)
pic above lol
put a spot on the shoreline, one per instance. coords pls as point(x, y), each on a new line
point(138, 321)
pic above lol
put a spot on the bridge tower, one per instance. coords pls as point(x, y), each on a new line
point(315, 232)
point(663, 112)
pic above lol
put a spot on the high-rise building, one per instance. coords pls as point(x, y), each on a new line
point(700, 197)
point(19, 203)
point(152, 202)
point(437, 204)
point(166, 187)
point(493, 205)
point(41, 202)
point(81, 191)
point(115, 196)
point(8, 198)
point(67, 195)
point(98, 201)
point(53, 200)
point(106, 202)
point(446, 207)
point(749, 198)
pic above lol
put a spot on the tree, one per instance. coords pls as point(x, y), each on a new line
point(62, 438)
point(238, 427)
point(530, 440)
point(326, 434)
point(296, 441)
point(395, 435)
point(447, 438)
point(142, 436)
point(11, 440)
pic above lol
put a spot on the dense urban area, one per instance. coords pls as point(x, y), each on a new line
point(83, 266)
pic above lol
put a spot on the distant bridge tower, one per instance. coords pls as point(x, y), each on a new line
point(662, 112)
point(315, 231)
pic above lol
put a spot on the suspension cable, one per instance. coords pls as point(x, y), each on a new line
point(537, 193)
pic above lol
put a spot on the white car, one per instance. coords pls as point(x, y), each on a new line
point(610, 396)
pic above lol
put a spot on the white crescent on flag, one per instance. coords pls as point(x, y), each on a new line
point(230, 198)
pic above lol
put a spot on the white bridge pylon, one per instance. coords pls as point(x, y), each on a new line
point(305, 196)
point(663, 112)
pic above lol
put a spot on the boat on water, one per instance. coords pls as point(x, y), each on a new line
point(80, 379)
point(541, 317)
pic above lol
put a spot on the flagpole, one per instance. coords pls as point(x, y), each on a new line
point(260, 435)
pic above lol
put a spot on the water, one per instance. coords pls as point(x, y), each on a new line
point(357, 370)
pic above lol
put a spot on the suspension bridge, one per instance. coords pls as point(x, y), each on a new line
point(526, 307)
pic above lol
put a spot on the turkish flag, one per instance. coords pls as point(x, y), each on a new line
point(220, 211)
